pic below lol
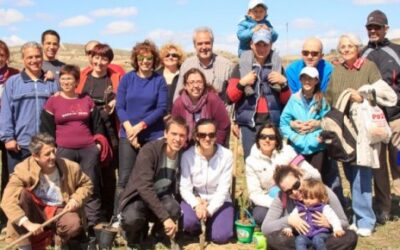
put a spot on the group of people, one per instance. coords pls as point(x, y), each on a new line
point(152, 144)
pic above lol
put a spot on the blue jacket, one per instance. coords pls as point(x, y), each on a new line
point(246, 107)
point(298, 109)
point(245, 32)
point(293, 74)
point(144, 100)
point(21, 105)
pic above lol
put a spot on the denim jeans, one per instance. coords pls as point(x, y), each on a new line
point(360, 179)
point(331, 178)
point(317, 241)
point(14, 158)
point(248, 135)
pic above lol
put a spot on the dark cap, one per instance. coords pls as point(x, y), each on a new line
point(377, 17)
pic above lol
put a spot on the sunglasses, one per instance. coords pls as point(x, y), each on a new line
point(373, 27)
point(141, 58)
point(307, 52)
point(174, 55)
point(204, 135)
point(295, 187)
point(269, 137)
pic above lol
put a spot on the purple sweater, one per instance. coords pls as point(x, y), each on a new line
point(142, 99)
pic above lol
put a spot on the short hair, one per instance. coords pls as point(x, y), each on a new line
point(166, 47)
point(201, 122)
point(4, 47)
point(103, 50)
point(284, 170)
point(314, 189)
point(31, 45)
point(354, 39)
point(38, 140)
point(50, 32)
point(72, 70)
point(191, 71)
point(90, 42)
point(203, 30)
point(279, 139)
point(177, 120)
point(145, 46)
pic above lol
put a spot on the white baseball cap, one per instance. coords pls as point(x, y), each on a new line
point(254, 3)
point(310, 71)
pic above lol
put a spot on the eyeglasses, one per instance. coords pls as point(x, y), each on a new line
point(200, 82)
point(141, 58)
point(308, 52)
point(269, 137)
point(173, 55)
point(295, 187)
point(373, 27)
point(204, 135)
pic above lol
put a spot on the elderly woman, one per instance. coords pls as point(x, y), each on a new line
point(172, 57)
point(199, 100)
point(268, 152)
point(141, 105)
point(289, 180)
point(75, 124)
point(206, 178)
point(100, 82)
point(353, 73)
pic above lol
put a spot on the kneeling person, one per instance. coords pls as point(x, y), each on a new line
point(41, 187)
point(149, 193)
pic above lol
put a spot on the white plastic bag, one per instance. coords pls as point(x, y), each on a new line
point(375, 123)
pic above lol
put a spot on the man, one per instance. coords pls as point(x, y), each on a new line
point(51, 44)
point(88, 48)
point(312, 56)
point(216, 68)
point(261, 91)
point(22, 103)
point(41, 187)
point(386, 56)
point(149, 193)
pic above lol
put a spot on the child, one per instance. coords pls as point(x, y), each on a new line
point(315, 199)
point(255, 20)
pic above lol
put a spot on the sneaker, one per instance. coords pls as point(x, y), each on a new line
point(382, 218)
point(353, 227)
point(364, 232)
point(116, 221)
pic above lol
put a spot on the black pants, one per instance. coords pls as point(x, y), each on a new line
point(136, 215)
point(277, 240)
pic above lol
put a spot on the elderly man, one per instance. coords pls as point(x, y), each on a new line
point(51, 44)
point(151, 188)
point(22, 103)
point(41, 187)
point(216, 68)
point(386, 56)
point(261, 91)
point(312, 54)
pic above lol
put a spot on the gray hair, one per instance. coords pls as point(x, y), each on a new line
point(30, 45)
point(354, 39)
point(203, 30)
point(38, 141)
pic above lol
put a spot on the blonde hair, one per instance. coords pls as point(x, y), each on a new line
point(166, 47)
point(314, 189)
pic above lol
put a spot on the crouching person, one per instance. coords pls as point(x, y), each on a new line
point(41, 187)
point(150, 192)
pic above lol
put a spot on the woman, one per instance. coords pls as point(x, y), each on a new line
point(198, 100)
point(172, 57)
point(205, 184)
point(75, 124)
point(354, 72)
point(141, 106)
point(301, 118)
point(289, 180)
point(100, 82)
point(268, 152)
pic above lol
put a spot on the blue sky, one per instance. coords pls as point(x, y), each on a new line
point(122, 23)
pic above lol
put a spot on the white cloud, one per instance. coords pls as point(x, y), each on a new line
point(24, 3)
point(76, 21)
point(161, 34)
point(227, 43)
point(302, 23)
point(44, 16)
point(13, 40)
point(115, 12)
point(118, 28)
point(370, 2)
point(9, 16)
